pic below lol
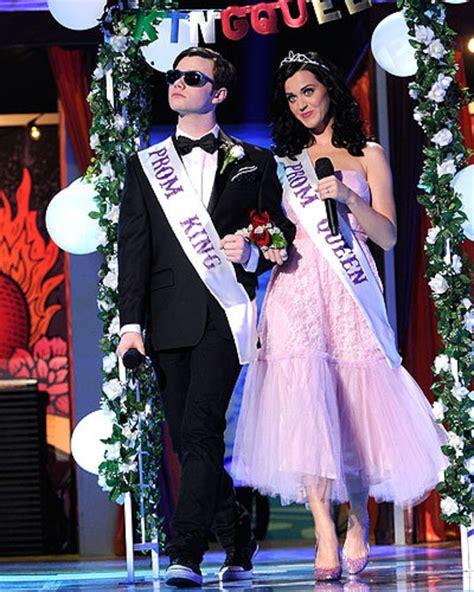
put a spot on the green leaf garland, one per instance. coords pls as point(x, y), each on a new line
point(439, 100)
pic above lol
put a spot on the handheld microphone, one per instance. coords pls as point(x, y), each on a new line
point(132, 358)
point(324, 168)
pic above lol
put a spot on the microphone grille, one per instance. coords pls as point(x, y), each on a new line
point(324, 167)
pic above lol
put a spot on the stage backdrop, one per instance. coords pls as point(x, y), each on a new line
point(33, 311)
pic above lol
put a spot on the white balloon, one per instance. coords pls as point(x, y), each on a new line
point(463, 183)
point(455, 1)
point(391, 48)
point(86, 446)
point(77, 14)
point(160, 54)
point(68, 221)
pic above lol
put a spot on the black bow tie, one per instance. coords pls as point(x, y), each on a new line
point(207, 143)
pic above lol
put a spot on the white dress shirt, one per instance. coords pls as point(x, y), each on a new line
point(201, 168)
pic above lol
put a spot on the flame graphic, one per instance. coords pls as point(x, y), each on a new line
point(27, 259)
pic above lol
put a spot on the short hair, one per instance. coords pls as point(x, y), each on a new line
point(224, 72)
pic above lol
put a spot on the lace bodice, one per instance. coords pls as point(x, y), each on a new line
point(307, 309)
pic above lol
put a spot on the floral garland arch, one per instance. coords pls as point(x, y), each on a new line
point(120, 105)
point(119, 101)
point(439, 102)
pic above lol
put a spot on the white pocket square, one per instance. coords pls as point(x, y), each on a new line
point(244, 171)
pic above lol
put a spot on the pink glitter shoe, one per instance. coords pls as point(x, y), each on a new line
point(326, 573)
point(355, 566)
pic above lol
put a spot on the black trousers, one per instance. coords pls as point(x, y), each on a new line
point(196, 384)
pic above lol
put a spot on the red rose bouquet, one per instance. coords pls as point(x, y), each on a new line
point(262, 232)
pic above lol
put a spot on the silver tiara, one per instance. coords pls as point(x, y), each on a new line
point(301, 58)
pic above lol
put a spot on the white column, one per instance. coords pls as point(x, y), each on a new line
point(467, 551)
point(389, 256)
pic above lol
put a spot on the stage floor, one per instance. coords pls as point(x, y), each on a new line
point(418, 568)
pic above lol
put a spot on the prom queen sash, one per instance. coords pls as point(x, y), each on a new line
point(198, 237)
point(343, 252)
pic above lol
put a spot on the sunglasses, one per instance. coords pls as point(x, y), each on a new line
point(191, 77)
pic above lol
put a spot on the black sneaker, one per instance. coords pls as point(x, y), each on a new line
point(183, 573)
point(238, 563)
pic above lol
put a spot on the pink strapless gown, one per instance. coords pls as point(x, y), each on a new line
point(321, 406)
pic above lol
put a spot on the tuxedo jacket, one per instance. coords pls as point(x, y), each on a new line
point(158, 286)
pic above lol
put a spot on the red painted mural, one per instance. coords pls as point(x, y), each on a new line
point(26, 284)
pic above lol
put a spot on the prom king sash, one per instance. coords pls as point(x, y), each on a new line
point(342, 252)
point(198, 237)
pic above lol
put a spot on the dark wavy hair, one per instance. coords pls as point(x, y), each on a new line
point(290, 136)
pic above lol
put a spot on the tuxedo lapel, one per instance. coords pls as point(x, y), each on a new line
point(220, 179)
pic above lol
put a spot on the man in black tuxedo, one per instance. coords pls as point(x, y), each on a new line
point(192, 345)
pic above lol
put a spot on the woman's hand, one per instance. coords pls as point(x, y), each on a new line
point(278, 256)
point(332, 188)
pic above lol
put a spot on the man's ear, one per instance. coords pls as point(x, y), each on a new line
point(219, 96)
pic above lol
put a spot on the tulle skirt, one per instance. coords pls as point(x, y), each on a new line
point(318, 423)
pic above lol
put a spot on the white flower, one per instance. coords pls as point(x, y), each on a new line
point(441, 363)
point(122, 28)
point(456, 442)
point(120, 122)
point(237, 152)
point(119, 43)
point(444, 80)
point(127, 467)
point(111, 280)
point(109, 362)
point(466, 302)
point(112, 389)
point(94, 141)
point(438, 284)
point(424, 34)
point(432, 234)
point(435, 49)
point(469, 321)
point(413, 93)
point(443, 137)
point(233, 152)
point(469, 464)
point(105, 304)
point(103, 238)
point(456, 263)
point(124, 93)
point(447, 167)
point(437, 93)
point(113, 451)
point(449, 506)
point(101, 481)
point(108, 171)
point(98, 73)
point(114, 328)
point(418, 115)
point(108, 413)
point(129, 432)
point(112, 263)
point(459, 392)
point(112, 214)
point(438, 410)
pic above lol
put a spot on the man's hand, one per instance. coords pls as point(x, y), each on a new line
point(236, 248)
point(130, 340)
point(278, 256)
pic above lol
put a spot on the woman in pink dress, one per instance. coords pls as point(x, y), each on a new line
point(328, 414)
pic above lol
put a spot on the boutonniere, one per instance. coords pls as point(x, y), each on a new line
point(263, 232)
point(232, 153)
